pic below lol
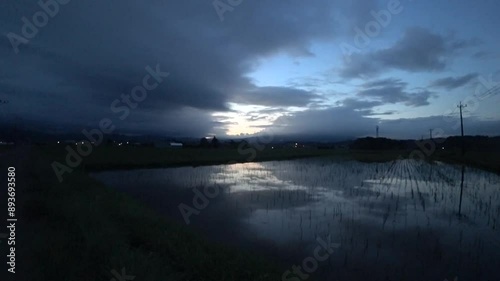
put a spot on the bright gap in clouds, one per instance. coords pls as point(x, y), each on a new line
point(243, 119)
point(278, 70)
point(251, 119)
point(283, 68)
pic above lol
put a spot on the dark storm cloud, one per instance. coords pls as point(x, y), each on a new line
point(267, 114)
point(92, 52)
point(363, 107)
point(343, 122)
point(360, 13)
point(311, 82)
point(482, 55)
point(276, 96)
point(335, 122)
point(358, 104)
point(389, 82)
point(451, 83)
point(390, 112)
point(268, 111)
point(415, 127)
point(391, 91)
point(418, 50)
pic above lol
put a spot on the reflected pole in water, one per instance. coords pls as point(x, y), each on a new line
point(461, 191)
point(430, 172)
point(462, 106)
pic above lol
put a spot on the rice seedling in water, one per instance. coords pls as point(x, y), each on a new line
point(403, 208)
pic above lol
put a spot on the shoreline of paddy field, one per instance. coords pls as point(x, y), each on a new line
point(92, 229)
point(127, 158)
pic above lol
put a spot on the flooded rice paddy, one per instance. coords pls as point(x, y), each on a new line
point(401, 220)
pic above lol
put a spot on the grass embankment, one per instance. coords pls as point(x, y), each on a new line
point(486, 160)
point(84, 229)
point(81, 230)
point(128, 157)
point(5, 148)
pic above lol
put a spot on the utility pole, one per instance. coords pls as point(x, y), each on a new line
point(461, 106)
point(430, 133)
point(377, 131)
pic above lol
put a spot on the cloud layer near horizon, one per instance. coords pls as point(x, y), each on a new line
point(91, 53)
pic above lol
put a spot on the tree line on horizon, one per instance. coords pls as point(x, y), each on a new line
point(472, 143)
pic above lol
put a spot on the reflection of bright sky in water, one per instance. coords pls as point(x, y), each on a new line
point(376, 211)
point(252, 177)
point(406, 191)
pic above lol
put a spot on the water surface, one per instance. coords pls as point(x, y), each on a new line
point(395, 221)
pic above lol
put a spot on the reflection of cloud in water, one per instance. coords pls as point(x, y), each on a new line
point(385, 214)
point(252, 177)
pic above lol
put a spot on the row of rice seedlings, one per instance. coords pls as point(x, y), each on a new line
point(310, 198)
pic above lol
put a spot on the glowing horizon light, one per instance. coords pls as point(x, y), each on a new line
point(239, 121)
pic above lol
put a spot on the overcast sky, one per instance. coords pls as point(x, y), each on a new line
point(320, 67)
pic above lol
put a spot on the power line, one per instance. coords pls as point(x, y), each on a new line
point(490, 91)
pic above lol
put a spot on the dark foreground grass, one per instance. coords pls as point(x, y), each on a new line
point(6, 148)
point(81, 230)
point(129, 157)
point(486, 160)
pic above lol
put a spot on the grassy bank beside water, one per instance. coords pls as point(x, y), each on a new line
point(82, 230)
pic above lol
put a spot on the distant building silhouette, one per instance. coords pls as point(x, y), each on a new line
point(204, 142)
point(215, 142)
point(176, 144)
